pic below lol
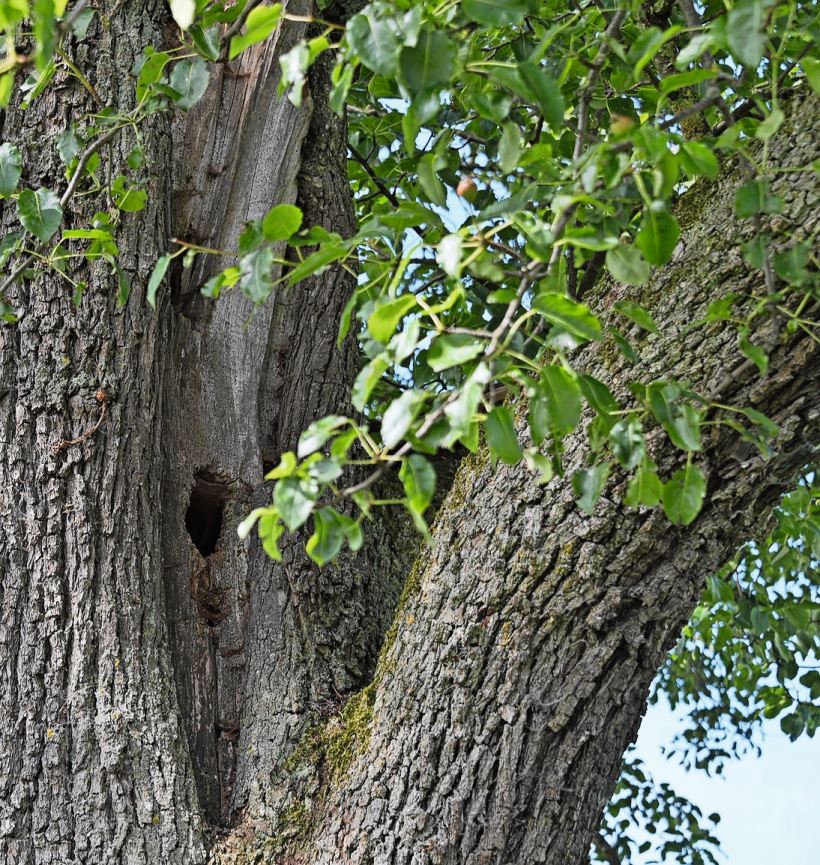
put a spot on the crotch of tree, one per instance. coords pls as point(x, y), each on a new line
point(203, 519)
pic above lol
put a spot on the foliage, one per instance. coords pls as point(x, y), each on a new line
point(750, 650)
point(503, 156)
point(749, 654)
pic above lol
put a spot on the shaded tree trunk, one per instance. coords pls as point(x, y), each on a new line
point(170, 691)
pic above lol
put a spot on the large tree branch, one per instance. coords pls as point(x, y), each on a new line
point(521, 657)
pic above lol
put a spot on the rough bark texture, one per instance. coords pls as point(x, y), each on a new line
point(94, 765)
point(160, 676)
point(526, 645)
point(135, 616)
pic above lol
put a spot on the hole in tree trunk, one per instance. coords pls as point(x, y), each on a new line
point(203, 519)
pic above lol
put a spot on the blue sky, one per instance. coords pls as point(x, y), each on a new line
point(770, 805)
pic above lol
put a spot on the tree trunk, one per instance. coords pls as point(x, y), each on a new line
point(170, 690)
point(94, 765)
point(522, 654)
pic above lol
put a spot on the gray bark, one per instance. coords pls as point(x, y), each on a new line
point(523, 655)
point(94, 765)
point(168, 689)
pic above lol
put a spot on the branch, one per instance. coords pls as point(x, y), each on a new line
point(606, 849)
point(66, 197)
point(390, 196)
point(64, 444)
point(586, 93)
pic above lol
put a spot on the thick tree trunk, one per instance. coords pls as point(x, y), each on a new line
point(161, 678)
point(521, 657)
point(125, 588)
point(94, 764)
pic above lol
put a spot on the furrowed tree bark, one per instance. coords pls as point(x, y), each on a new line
point(122, 552)
point(521, 657)
point(261, 650)
point(94, 765)
point(172, 694)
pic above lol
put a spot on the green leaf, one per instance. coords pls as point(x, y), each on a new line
point(328, 536)
point(80, 23)
point(246, 526)
point(157, 275)
point(754, 352)
point(429, 62)
point(123, 286)
point(318, 433)
point(555, 404)
point(744, 31)
point(681, 421)
point(685, 79)
point(644, 488)
point(385, 318)
point(150, 69)
point(547, 92)
point(657, 236)
point(791, 264)
point(430, 184)
point(495, 13)
point(419, 480)
point(190, 79)
point(636, 313)
point(626, 264)
point(39, 212)
point(683, 495)
point(261, 22)
point(452, 349)
point(627, 442)
point(12, 13)
point(376, 42)
point(11, 167)
point(294, 65)
point(44, 28)
point(539, 464)
point(770, 125)
point(698, 159)
point(129, 199)
point(574, 318)
point(270, 530)
point(368, 377)
point(767, 426)
point(756, 197)
point(324, 256)
point(448, 254)
point(509, 147)
point(135, 159)
point(588, 484)
point(399, 416)
point(282, 222)
point(501, 436)
point(811, 69)
point(294, 501)
point(87, 234)
point(255, 274)
point(287, 467)
point(624, 345)
point(460, 413)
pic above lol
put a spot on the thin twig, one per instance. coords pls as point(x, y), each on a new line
point(595, 68)
point(69, 192)
point(64, 444)
point(707, 61)
point(390, 196)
